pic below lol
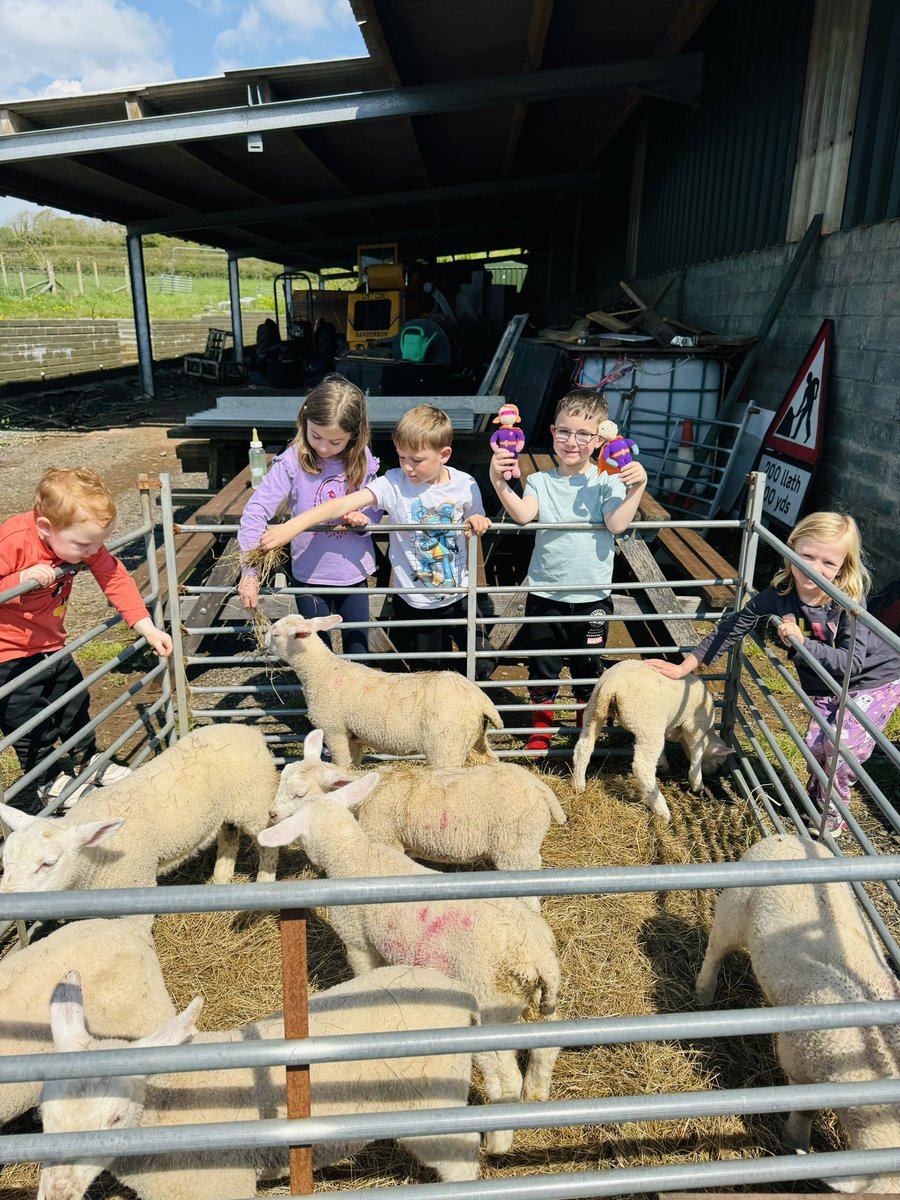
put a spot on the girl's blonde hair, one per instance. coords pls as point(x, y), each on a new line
point(337, 402)
point(853, 578)
point(68, 495)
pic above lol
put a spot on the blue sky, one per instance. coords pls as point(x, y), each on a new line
point(65, 47)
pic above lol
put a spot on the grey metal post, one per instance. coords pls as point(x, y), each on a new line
point(153, 578)
point(838, 726)
point(756, 484)
point(141, 312)
point(234, 295)
point(471, 603)
point(182, 711)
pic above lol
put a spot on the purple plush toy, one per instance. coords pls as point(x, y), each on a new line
point(616, 452)
point(508, 438)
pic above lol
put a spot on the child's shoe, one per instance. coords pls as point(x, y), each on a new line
point(111, 772)
point(51, 789)
point(541, 719)
point(834, 823)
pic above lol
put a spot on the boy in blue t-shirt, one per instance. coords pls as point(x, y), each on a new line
point(574, 492)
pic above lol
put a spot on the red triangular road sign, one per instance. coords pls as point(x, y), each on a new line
point(799, 423)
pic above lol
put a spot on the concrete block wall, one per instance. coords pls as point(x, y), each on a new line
point(34, 350)
point(853, 278)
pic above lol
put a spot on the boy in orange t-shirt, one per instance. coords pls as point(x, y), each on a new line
point(74, 513)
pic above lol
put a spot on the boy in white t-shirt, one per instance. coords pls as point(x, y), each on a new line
point(422, 490)
point(574, 492)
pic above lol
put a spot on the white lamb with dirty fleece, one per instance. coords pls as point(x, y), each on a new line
point(388, 1000)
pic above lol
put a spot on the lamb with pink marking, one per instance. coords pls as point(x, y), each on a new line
point(501, 950)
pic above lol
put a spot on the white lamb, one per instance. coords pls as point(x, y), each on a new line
point(125, 995)
point(654, 709)
point(391, 999)
point(809, 944)
point(502, 950)
point(436, 713)
point(218, 780)
point(496, 811)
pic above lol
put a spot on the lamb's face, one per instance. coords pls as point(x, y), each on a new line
point(288, 633)
point(302, 781)
point(292, 635)
point(42, 853)
point(714, 754)
point(93, 1104)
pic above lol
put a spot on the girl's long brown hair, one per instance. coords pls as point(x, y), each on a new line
point(336, 401)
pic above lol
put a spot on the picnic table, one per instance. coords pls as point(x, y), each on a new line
point(227, 426)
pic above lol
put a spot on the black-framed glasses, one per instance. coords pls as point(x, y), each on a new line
point(581, 439)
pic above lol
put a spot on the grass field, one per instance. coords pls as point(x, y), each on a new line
point(108, 295)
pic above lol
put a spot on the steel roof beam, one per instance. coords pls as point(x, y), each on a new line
point(312, 208)
point(458, 96)
point(349, 241)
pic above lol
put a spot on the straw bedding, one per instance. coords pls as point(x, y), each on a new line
point(633, 954)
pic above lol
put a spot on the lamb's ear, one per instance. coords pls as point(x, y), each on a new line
point(323, 623)
point(93, 833)
point(178, 1029)
point(312, 746)
point(292, 829)
point(67, 1015)
point(336, 779)
point(14, 817)
point(722, 751)
point(356, 790)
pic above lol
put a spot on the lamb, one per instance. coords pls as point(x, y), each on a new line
point(124, 992)
point(494, 811)
point(500, 949)
point(436, 713)
point(809, 944)
point(653, 708)
point(214, 781)
point(392, 998)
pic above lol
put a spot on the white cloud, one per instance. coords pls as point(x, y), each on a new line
point(89, 46)
point(265, 27)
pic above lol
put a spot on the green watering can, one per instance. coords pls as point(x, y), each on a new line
point(414, 344)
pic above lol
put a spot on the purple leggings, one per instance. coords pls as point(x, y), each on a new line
point(878, 704)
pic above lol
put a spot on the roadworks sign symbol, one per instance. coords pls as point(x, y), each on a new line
point(798, 424)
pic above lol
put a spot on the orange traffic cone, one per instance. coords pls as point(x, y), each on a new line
point(684, 458)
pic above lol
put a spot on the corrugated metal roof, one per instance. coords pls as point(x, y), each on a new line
point(412, 45)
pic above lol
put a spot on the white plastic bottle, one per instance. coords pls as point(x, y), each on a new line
point(257, 457)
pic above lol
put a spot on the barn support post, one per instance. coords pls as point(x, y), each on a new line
point(234, 296)
point(138, 280)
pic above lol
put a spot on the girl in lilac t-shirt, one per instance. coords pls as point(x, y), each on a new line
point(329, 457)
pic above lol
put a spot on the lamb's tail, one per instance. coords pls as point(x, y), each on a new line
point(603, 698)
point(552, 800)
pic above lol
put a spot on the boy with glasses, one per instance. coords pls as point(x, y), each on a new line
point(574, 492)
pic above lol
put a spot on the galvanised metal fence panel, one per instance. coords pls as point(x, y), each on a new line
point(763, 775)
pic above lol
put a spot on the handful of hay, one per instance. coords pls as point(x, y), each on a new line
point(267, 564)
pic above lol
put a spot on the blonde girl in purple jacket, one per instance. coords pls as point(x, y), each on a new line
point(329, 457)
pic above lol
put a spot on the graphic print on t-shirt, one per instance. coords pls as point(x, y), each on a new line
point(330, 489)
point(437, 547)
